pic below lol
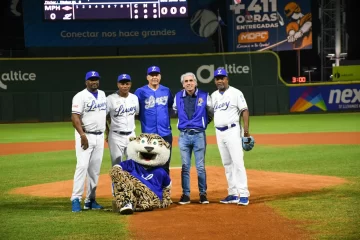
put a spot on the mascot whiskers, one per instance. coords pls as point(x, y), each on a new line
point(140, 183)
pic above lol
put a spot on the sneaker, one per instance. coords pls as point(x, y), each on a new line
point(127, 209)
point(92, 204)
point(185, 199)
point(244, 201)
point(203, 199)
point(75, 205)
point(230, 199)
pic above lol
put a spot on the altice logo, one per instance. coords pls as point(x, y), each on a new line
point(15, 76)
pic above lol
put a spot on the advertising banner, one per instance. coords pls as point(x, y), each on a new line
point(279, 25)
point(346, 73)
point(325, 98)
point(67, 74)
point(109, 23)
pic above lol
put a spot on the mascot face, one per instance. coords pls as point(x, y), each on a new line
point(149, 150)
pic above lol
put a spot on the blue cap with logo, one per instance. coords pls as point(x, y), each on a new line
point(153, 69)
point(220, 72)
point(124, 77)
point(92, 74)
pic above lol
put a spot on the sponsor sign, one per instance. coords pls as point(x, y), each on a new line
point(325, 98)
point(346, 73)
point(258, 25)
point(29, 75)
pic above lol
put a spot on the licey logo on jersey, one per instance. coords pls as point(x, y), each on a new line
point(93, 106)
point(221, 106)
point(200, 102)
point(150, 102)
point(120, 111)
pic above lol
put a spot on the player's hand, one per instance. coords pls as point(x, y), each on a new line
point(291, 36)
point(84, 142)
point(298, 35)
point(246, 134)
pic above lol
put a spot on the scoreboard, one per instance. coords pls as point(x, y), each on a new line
point(114, 9)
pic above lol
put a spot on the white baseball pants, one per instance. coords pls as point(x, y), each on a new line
point(117, 146)
point(232, 156)
point(88, 166)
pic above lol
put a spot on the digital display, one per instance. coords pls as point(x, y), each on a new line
point(298, 80)
point(110, 9)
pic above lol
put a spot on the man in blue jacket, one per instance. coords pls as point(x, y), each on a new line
point(155, 101)
point(194, 110)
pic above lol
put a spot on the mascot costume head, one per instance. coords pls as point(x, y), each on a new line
point(140, 183)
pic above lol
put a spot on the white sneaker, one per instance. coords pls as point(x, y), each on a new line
point(127, 209)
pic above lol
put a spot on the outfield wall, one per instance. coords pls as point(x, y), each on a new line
point(42, 89)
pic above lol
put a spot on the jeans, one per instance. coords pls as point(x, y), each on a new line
point(189, 142)
point(168, 139)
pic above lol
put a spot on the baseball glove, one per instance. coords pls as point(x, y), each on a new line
point(248, 143)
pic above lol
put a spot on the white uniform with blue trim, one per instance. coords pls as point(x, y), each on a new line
point(92, 113)
point(227, 109)
point(122, 112)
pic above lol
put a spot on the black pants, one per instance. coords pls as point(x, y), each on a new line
point(169, 139)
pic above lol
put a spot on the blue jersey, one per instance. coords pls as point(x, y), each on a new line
point(155, 108)
point(154, 178)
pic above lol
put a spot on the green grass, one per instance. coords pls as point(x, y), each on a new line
point(333, 213)
point(345, 122)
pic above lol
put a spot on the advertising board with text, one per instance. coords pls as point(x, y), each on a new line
point(51, 75)
point(278, 25)
point(325, 98)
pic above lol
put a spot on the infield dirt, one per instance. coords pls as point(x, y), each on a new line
point(214, 220)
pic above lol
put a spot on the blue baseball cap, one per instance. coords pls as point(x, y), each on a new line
point(220, 72)
point(124, 77)
point(153, 69)
point(92, 74)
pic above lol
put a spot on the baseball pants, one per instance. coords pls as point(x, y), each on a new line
point(88, 166)
point(232, 156)
point(117, 146)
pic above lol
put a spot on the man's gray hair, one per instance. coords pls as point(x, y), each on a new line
point(188, 74)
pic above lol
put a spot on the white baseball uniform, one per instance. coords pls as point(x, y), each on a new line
point(92, 113)
point(122, 112)
point(227, 109)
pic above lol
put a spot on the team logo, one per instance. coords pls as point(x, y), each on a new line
point(120, 111)
point(221, 106)
point(150, 102)
point(200, 102)
point(68, 17)
point(148, 177)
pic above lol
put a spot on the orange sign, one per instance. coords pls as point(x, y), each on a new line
point(252, 37)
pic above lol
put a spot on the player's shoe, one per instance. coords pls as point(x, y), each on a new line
point(75, 205)
point(127, 209)
point(230, 199)
point(185, 199)
point(243, 201)
point(203, 199)
point(92, 204)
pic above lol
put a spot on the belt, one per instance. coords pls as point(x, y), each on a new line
point(95, 133)
point(122, 133)
point(191, 131)
point(226, 127)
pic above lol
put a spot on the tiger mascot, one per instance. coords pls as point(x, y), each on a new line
point(140, 183)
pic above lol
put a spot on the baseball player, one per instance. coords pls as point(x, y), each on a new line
point(229, 104)
point(89, 120)
point(155, 101)
point(122, 106)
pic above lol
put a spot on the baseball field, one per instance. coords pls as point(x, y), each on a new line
point(303, 178)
